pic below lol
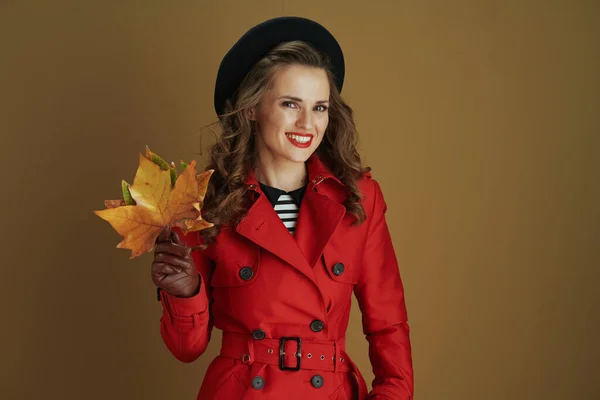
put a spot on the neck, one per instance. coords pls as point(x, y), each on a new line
point(281, 174)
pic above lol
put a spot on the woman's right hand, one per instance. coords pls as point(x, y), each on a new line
point(173, 269)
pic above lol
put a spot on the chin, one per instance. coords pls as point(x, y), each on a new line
point(300, 157)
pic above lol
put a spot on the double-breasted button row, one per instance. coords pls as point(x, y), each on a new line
point(258, 382)
point(338, 269)
point(246, 273)
point(317, 326)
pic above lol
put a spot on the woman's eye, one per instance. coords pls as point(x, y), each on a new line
point(320, 108)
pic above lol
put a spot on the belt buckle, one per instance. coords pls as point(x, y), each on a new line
point(282, 353)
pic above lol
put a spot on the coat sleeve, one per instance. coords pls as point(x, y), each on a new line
point(186, 323)
point(380, 296)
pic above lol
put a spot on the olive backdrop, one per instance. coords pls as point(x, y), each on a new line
point(480, 120)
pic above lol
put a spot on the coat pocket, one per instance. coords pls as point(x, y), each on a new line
point(233, 282)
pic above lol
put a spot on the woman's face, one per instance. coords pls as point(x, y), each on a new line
point(293, 115)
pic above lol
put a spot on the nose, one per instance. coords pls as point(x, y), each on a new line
point(305, 120)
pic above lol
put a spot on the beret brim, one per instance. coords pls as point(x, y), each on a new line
point(260, 39)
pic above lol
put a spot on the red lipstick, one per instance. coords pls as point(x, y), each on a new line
point(301, 140)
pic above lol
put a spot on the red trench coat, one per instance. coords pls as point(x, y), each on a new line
point(265, 284)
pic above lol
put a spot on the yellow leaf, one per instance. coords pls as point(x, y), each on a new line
point(158, 205)
point(203, 179)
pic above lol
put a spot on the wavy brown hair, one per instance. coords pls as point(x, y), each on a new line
point(233, 154)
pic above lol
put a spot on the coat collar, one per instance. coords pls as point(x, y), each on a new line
point(317, 173)
point(318, 217)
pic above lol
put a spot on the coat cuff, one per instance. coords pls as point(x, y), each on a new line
point(185, 306)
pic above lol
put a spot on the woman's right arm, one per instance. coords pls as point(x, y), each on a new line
point(186, 323)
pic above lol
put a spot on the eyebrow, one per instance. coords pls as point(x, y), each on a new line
point(300, 100)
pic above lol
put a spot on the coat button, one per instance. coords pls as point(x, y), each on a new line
point(246, 273)
point(258, 334)
point(317, 326)
point(258, 382)
point(317, 381)
point(338, 269)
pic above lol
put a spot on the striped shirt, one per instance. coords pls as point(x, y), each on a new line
point(286, 204)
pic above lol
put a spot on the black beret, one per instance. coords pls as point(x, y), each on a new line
point(258, 41)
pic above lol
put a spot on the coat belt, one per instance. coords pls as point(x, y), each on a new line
point(291, 353)
point(319, 355)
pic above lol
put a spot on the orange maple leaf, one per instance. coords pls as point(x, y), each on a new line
point(158, 206)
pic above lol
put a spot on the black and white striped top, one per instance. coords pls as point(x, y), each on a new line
point(286, 204)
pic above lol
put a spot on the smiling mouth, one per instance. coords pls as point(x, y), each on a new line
point(298, 140)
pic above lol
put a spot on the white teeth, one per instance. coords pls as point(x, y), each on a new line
point(300, 139)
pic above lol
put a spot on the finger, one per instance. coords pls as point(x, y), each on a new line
point(161, 269)
point(172, 260)
point(172, 283)
point(176, 238)
point(172, 249)
point(163, 237)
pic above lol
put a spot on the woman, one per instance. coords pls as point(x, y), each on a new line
point(299, 226)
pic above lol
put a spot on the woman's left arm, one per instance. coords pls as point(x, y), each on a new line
point(380, 295)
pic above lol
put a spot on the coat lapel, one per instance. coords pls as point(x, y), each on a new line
point(321, 210)
point(262, 226)
point(318, 218)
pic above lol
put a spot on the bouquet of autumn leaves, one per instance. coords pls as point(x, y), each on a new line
point(159, 199)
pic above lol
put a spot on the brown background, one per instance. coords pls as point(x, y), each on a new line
point(479, 118)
